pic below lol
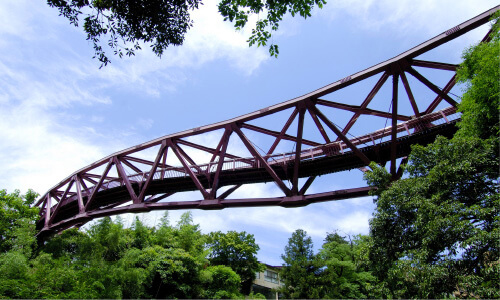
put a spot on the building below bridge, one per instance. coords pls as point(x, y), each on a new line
point(267, 282)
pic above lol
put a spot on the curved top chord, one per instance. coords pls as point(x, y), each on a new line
point(140, 179)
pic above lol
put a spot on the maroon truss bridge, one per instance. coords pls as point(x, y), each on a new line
point(144, 177)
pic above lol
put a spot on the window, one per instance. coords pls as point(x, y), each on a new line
point(257, 275)
point(271, 276)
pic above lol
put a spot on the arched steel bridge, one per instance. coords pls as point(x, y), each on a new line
point(141, 178)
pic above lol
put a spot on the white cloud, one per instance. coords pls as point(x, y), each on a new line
point(210, 39)
point(213, 38)
point(145, 123)
point(45, 78)
point(15, 18)
point(35, 154)
point(406, 16)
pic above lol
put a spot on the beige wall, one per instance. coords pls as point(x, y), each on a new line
point(261, 280)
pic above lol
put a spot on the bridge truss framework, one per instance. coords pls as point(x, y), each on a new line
point(138, 180)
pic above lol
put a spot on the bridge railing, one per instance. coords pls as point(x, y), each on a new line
point(73, 200)
point(407, 128)
point(336, 148)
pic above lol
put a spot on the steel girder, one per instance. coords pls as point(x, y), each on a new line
point(136, 179)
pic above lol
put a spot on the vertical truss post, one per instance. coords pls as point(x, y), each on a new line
point(48, 204)
point(225, 142)
point(395, 80)
point(298, 150)
point(79, 194)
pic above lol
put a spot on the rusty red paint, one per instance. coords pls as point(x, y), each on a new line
point(78, 202)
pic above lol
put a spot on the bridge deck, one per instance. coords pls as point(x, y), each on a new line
point(110, 197)
point(140, 184)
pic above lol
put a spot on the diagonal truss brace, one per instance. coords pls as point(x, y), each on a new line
point(99, 184)
point(261, 160)
point(340, 135)
point(161, 153)
point(432, 86)
point(124, 177)
point(187, 168)
point(365, 103)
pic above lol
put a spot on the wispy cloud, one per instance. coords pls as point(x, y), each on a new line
point(209, 40)
point(405, 16)
point(35, 152)
point(46, 79)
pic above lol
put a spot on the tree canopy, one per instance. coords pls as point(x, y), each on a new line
point(480, 103)
point(344, 274)
point(126, 24)
point(109, 261)
point(237, 250)
point(300, 269)
point(339, 270)
point(435, 233)
point(17, 221)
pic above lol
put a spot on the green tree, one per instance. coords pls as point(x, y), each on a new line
point(110, 238)
point(127, 23)
point(91, 265)
point(435, 233)
point(481, 100)
point(301, 268)
point(439, 227)
point(164, 235)
point(189, 237)
point(17, 242)
point(108, 261)
point(238, 11)
point(14, 274)
point(220, 282)
point(344, 276)
point(73, 244)
point(17, 221)
point(238, 251)
point(174, 273)
point(141, 234)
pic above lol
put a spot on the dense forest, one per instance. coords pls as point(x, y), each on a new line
point(167, 261)
point(434, 234)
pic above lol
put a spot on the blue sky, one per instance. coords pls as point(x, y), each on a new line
point(60, 112)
